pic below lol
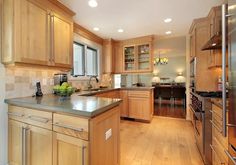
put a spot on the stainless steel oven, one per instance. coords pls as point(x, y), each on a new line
point(200, 107)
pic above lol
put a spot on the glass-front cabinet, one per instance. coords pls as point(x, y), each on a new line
point(129, 56)
point(138, 58)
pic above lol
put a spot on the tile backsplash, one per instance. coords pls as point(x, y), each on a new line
point(20, 81)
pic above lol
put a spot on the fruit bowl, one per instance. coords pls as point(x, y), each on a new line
point(65, 90)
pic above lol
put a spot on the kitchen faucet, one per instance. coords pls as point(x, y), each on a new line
point(89, 83)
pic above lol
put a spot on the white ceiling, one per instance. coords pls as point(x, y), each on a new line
point(139, 17)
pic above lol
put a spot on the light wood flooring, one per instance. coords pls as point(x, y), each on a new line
point(165, 141)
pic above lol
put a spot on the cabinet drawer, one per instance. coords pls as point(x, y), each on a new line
point(218, 150)
point(70, 125)
point(142, 94)
point(217, 110)
point(31, 116)
point(218, 135)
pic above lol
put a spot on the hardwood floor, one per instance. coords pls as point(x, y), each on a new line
point(166, 109)
point(165, 141)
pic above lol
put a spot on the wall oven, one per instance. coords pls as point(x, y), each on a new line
point(200, 106)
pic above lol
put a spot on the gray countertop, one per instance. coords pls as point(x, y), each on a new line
point(74, 105)
point(77, 104)
point(90, 93)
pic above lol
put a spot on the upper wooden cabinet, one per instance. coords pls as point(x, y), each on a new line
point(108, 56)
point(214, 58)
point(62, 41)
point(138, 55)
point(200, 34)
point(37, 32)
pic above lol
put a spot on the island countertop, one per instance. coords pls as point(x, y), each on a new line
point(74, 105)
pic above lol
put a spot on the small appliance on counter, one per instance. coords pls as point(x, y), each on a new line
point(60, 78)
point(39, 92)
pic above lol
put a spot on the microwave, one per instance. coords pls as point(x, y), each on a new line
point(193, 65)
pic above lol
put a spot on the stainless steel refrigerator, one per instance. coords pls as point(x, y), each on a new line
point(229, 43)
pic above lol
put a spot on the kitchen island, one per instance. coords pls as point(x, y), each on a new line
point(52, 130)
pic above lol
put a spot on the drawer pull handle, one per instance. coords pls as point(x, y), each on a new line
point(233, 159)
point(39, 119)
point(214, 125)
point(15, 114)
point(68, 127)
point(83, 155)
point(212, 148)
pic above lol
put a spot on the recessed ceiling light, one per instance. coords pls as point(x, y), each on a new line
point(96, 29)
point(92, 3)
point(167, 20)
point(120, 30)
point(168, 32)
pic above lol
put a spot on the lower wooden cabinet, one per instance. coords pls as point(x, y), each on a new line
point(15, 130)
point(69, 150)
point(72, 140)
point(219, 142)
point(29, 144)
point(39, 146)
point(140, 104)
point(124, 111)
point(139, 108)
point(137, 104)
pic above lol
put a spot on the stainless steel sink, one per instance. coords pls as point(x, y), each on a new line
point(93, 89)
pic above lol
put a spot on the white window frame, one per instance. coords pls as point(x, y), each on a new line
point(83, 41)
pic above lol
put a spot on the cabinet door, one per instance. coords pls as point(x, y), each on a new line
point(39, 146)
point(118, 58)
point(139, 108)
point(15, 137)
point(62, 41)
point(108, 53)
point(68, 150)
point(124, 111)
point(35, 28)
point(192, 45)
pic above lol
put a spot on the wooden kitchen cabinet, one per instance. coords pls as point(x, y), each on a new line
point(219, 142)
point(69, 150)
point(108, 55)
point(34, 21)
point(140, 105)
point(37, 144)
point(124, 112)
point(215, 58)
point(37, 32)
point(200, 31)
point(58, 139)
point(15, 142)
point(62, 39)
point(192, 44)
point(105, 134)
point(118, 58)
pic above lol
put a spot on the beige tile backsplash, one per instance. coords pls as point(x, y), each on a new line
point(20, 81)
